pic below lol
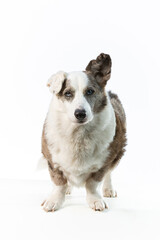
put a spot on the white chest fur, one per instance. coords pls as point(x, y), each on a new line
point(79, 151)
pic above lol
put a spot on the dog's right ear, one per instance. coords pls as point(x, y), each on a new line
point(55, 82)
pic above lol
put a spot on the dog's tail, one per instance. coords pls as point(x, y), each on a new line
point(42, 164)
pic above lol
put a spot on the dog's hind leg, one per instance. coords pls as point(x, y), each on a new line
point(108, 190)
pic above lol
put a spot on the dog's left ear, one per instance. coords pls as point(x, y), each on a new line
point(100, 68)
point(56, 81)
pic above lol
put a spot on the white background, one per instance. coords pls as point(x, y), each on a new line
point(39, 38)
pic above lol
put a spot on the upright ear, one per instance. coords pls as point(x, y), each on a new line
point(100, 68)
point(56, 81)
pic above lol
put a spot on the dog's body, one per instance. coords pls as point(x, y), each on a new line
point(84, 133)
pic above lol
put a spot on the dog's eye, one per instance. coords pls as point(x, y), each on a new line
point(68, 94)
point(89, 91)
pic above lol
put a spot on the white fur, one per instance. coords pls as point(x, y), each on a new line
point(79, 81)
point(56, 198)
point(79, 156)
point(55, 81)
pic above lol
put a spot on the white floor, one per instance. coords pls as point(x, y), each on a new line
point(132, 215)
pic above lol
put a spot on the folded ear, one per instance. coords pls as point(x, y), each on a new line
point(100, 68)
point(55, 82)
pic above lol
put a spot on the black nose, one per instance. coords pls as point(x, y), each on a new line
point(80, 114)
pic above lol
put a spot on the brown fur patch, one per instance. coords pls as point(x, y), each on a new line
point(56, 175)
point(117, 146)
point(98, 100)
point(98, 72)
point(44, 146)
point(65, 88)
point(117, 105)
point(100, 68)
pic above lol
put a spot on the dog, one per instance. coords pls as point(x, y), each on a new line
point(84, 134)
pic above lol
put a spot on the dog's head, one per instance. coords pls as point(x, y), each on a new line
point(81, 95)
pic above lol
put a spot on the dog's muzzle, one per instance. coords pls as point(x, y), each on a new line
point(80, 114)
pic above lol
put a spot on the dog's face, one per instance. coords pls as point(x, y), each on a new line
point(81, 95)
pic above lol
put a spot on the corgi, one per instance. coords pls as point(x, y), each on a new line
point(84, 134)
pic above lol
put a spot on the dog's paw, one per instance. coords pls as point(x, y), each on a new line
point(50, 205)
point(53, 203)
point(110, 193)
point(97, 204)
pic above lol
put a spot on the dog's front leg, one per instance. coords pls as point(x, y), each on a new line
point(94, 200)
point(57, 196)
point(55, 199)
